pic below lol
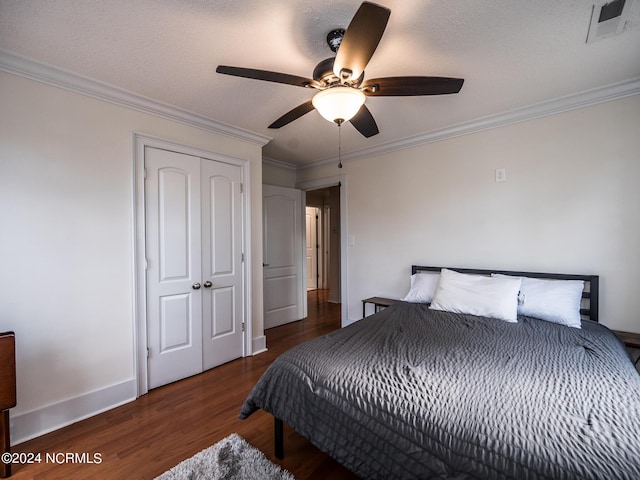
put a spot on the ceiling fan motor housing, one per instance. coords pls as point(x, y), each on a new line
point(323, 73)
point(334, 38)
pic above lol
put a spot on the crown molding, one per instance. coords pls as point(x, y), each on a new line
point(28, 68)
point(550, 107)
point(279, 163)
point(33, 70)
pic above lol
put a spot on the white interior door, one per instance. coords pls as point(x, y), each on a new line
point(311, 247)
point(173, 249)
point(194, 271)
point(221, 263)
point(284, 282)
point(326, 246)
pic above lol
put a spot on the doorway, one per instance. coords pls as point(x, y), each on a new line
point(324, 249)
point(314, 248)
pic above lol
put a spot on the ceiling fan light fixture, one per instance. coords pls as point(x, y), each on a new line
point(338, 104)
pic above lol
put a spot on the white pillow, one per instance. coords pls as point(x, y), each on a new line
point(477, 295)
point(556, 301)
point(423, 287)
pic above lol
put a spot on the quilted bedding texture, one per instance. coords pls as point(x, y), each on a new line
point(415, 393)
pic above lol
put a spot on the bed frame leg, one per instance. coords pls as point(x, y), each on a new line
point(278, 438)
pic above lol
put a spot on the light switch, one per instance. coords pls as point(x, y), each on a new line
point(501, 174)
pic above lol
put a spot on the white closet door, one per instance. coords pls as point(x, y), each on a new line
point(221, 263)
point(194, 264)
point(174, 301)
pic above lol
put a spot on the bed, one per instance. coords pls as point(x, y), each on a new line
point(414, 391)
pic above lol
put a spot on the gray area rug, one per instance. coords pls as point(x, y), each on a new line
point(230, 458)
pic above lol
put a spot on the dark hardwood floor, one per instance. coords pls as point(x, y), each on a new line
point(144, 438)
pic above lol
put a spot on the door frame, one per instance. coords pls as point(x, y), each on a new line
point(140, 142)
point(338, 180)
point(326, 245)
point(319, 245)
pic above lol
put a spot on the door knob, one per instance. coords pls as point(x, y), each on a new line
point(207, 284)
point(196, 286)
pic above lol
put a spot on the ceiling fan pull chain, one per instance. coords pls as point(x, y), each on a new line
point(340, 145)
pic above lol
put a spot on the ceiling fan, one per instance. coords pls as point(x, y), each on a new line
point(340, 79)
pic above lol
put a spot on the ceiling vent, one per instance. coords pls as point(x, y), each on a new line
point(608, 18)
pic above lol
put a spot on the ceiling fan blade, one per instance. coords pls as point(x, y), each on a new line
point(266, 76)
point(364, 122)
point(409, 86)
point(292, 115)
point(360, 40)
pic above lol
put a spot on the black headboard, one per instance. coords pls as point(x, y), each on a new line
point(589, 307)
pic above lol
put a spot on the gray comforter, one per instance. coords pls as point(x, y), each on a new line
point(415, 393)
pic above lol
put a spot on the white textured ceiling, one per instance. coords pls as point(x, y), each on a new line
point(512, 54)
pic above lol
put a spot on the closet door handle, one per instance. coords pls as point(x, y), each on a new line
point(196, 286)
point(207, 284)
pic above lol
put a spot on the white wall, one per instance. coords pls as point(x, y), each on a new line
point(66, 245)
point(570, 205)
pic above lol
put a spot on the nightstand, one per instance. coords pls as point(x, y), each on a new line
point(377, 303)
point(631, 340)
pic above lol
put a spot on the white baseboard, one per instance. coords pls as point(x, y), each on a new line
point(259, 345)
point(350, 321)
point(28, 425)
